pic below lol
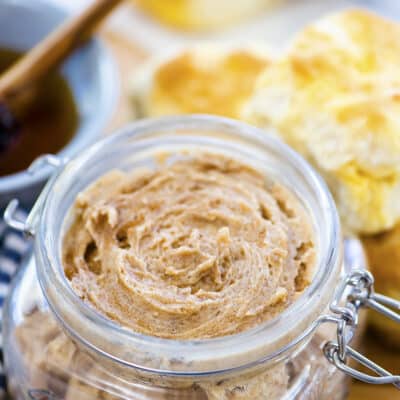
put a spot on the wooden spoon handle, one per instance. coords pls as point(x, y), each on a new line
point(53, 49)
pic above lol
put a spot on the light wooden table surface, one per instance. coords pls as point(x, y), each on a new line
point(385, 357)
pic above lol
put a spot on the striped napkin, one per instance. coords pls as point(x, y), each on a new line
point(13, 248)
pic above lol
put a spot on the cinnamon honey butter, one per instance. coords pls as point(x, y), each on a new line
point(201, 247)
point(183, 258)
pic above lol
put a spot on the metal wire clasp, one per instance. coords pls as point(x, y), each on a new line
point(11, 212)
point(355, 292)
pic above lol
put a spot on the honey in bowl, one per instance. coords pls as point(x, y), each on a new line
point(48, 123)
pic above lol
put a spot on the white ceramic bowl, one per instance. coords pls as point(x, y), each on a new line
point(90, 71)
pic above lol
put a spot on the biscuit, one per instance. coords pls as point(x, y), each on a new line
point(335, 97)
point(213, 79)
point(383, 251)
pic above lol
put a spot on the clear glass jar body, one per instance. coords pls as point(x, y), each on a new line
point(56, 347)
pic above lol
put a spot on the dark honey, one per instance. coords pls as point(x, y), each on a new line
point(47, 124)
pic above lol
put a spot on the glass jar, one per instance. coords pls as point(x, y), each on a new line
point(57, 347)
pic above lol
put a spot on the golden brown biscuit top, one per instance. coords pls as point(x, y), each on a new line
point(205, 79)
point(335, 97)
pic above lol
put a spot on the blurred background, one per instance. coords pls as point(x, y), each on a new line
point(104, 85)
point(158, 23)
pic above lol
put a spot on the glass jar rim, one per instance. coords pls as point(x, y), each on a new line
point(55, 285)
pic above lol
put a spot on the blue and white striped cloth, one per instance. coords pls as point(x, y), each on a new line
point(13, 248)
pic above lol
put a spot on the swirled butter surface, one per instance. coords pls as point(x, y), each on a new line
point(202, 247)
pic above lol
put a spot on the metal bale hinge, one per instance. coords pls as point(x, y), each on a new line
point(12, 216)
point(356, 292)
